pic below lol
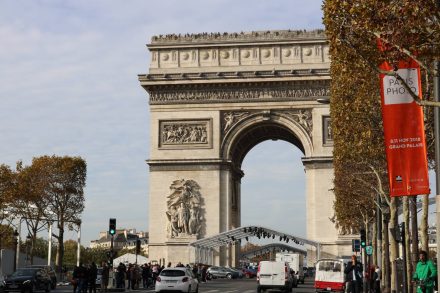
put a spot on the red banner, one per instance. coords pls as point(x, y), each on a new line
point(404, 131)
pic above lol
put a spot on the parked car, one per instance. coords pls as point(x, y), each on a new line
point(274, 275)
point(219, 272)
point(51, 272)
point(177, 279)
point(249, 273)
point(27, 280)
point(235, 273)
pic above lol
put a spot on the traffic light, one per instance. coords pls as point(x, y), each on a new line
point(363, 238)
point(112, 226)
point(138, 246)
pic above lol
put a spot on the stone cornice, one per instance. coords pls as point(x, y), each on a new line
point(275, 35)
point(318, 162)
point(231, 75)
point(192, 165)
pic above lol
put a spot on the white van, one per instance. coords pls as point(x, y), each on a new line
point(274, 275)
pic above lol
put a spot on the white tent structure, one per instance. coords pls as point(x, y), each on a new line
point(130, 258)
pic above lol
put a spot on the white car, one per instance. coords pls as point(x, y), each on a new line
point(177, 279)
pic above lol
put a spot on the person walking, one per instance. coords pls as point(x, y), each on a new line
point(204, 274)
point(105, 277)
point(353, 275)
point(129, 275)
point(155, 271)
point(81, 277)
point(376, 280)
point(425, 274)
point(120, 277)
point(75, 278)
point(93, 274)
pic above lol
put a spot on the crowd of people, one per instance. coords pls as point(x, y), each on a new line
point(84, 278)
point(424, 277)
point(131, 276)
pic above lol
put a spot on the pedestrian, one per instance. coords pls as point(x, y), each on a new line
point(120, 276)
point(425, 274)
point(199, 272)
point(135, 276)
point(86, 279)
point(376, 280)
point(129, 275)
point(194, 270)
point(81, 277)
point(204, 273)
point(353, 275)
point(75, 278)
point(105, 277)
point(155, 271)
point(93, 274)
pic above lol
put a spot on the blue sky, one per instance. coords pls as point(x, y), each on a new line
point(68, 86)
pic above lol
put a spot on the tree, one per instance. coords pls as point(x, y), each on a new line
point(66, 179)
point(408, 29)
point(70, 252)
point(7, 183)
point(30, 201)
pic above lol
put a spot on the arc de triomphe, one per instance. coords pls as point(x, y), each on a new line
point(213, 97)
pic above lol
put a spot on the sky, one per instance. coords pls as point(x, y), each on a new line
point(68, 86)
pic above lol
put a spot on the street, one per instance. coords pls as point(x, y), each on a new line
point(220, 285)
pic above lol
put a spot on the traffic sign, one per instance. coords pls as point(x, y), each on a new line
point(355, 245)
point(369, 250)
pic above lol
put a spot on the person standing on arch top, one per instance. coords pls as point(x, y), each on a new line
point(425, 274)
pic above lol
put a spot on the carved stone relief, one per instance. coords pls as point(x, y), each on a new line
point(195, 95)
point(184, 209)
point(304, 119)
point(186, 133)
point(230, 118)
point(302, 116)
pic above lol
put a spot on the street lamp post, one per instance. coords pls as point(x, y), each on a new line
point(78, 257)
point(28, 240)
point(49, 240)
point(17, 249)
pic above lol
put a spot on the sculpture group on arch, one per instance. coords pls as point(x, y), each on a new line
point(184, 209)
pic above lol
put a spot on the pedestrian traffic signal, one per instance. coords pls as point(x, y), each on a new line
point(363, 238)
point(112, 226)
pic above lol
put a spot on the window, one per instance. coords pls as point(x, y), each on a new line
point(172, 273)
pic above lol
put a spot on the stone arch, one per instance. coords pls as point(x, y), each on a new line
point(263, 126)
point(216, 108)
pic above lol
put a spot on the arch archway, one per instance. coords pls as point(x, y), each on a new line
point(214, 97)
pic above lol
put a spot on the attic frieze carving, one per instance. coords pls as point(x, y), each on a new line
point(242, 94)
